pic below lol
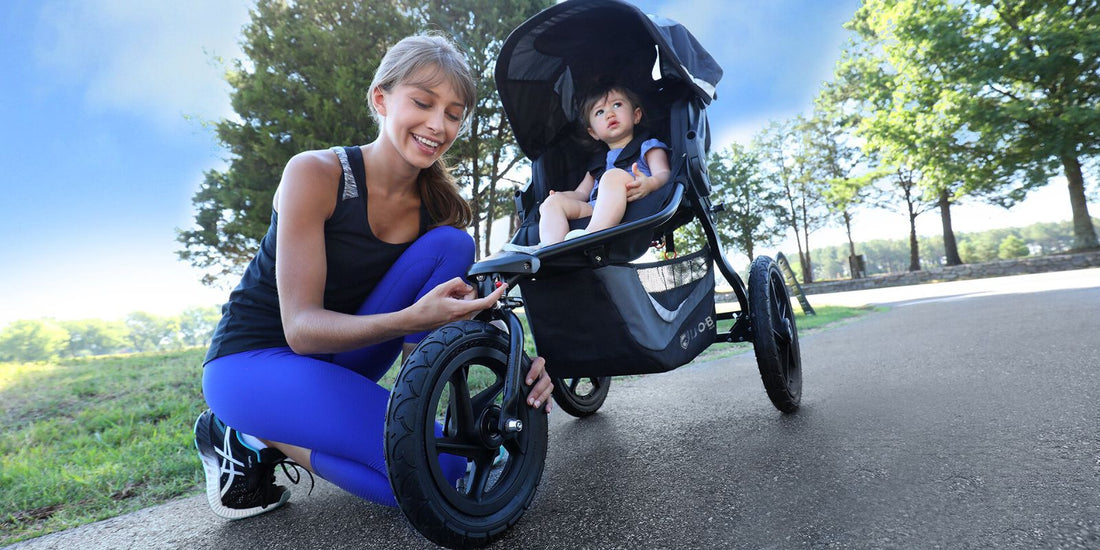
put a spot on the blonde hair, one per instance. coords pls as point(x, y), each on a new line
point(429, 60)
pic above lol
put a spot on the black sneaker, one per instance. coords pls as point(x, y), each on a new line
point(240, 480)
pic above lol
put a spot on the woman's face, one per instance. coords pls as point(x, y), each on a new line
point(420, 120)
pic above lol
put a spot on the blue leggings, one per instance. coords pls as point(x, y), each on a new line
point(332, 404)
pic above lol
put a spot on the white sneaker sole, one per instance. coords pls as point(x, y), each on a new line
point(214, 497)
point(212, 469)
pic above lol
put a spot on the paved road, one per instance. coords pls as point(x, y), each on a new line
point(965, 416)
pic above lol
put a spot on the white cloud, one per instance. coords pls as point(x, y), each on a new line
point(151, 58)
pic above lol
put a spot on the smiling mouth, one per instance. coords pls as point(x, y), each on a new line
point(426, 142)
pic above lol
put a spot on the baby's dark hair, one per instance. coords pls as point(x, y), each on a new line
point(598, 91)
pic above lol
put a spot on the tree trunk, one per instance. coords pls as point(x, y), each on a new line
point(475, 180)
point(950, 247)
point(1084, 234)
point(807, 266)
point(798, 241)
point(853, 263)
point(848, 228)
point(914, 245)
point(490, 214)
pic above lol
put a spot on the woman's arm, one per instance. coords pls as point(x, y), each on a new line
point(305, 199)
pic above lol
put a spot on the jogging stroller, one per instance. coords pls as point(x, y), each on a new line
point(593, 314)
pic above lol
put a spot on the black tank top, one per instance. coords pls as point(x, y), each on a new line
point(356, 260)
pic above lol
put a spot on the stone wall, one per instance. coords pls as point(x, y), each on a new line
point(1000, 268)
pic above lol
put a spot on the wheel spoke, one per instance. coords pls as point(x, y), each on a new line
point(782, 337)
point(513, 447)
point(482, 467)
point(459, 446)
point(461, 404)
point(483, 399)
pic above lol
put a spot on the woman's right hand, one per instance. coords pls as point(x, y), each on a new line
point(450, 301)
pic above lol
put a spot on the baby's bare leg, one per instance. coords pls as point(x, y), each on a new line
point(554, 216)
point(611, 200)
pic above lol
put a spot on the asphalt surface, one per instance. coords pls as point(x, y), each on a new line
point(965, 415)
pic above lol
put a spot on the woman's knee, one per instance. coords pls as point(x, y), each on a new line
point(449, 239)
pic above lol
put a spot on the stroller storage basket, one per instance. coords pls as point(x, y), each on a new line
point(623, 319)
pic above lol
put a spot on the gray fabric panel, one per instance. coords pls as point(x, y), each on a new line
point(651, 327)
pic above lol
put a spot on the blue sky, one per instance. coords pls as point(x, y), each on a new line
point(103, 146)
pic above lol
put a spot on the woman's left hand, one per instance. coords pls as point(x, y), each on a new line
point(541, 386)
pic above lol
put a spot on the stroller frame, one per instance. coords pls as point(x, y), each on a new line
point(436, 410)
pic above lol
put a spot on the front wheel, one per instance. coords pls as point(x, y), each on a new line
point(457, 478)
point(581, 397)
point(774, 334)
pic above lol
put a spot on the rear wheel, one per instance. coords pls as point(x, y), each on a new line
point(457, 478)
point(774, 335)
point(581, 397)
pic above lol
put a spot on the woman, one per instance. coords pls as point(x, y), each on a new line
point(365, 253)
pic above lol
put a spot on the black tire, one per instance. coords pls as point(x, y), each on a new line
point(445, 373)
point(581, 397)
point(774, 334)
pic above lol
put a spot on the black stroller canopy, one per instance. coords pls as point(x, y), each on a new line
point(548, 61)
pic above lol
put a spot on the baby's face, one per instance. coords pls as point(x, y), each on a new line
point(612, 118)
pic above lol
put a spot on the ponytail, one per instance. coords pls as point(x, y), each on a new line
point(439, 194)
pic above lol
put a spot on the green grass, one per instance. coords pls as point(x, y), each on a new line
point(89, 439)
point(824, 316)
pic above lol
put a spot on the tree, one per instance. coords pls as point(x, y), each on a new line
point(94, 337)
point(781, 148)
point(752, 214)
point(303, 86)
point(148, 332)
point(901, 124)
point(32, 340)
point(1017, 85)
point(831, 152)
point(488, 153)
point(196, 325)
point(905, 183)
point(1012, 247)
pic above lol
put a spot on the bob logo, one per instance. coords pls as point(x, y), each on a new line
point(694, 331)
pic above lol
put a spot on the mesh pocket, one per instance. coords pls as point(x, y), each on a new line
point(625, 319)
point(669, 282)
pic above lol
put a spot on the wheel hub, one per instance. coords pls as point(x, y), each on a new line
point(488, 427)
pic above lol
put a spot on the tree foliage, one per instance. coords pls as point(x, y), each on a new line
point(304, 86)
point(892, 255)
point(488, 153)
point(752, 215)
point(999, 94)
point(781, 148)
point(47, 339)
point(32, 340)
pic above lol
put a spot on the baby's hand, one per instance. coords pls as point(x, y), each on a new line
point(637, 188)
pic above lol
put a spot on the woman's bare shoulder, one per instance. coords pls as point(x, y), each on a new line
point(314, 174)
point(323, 161)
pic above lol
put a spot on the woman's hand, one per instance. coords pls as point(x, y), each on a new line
point(539, 379)
point(450, 301)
